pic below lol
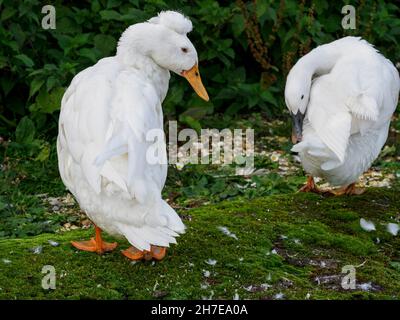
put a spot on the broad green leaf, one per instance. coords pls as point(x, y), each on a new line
point(110, 15)
point(35, 86)
point(88, 53)
point(106, 44)
point(261, 8)
point(191, 122)
point(26, 60)
point(43, 154)
point(267, 96)
point(237, 24)
point(3, 62)
point(7, 13)
point(48, 102)
point(25, 131)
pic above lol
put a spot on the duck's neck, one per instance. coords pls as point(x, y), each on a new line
point(320, 61)
point(134, 52)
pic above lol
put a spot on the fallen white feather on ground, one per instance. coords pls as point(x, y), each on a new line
point(206, 273)
point(226, 231)
point(279, 296)
point(365, 286)
point(265, 286)
point(393, 228)
point(367, 225)
point(37, 250)
point(211, 262)
point(155, 286)
point(53, 243)
point(249, 288)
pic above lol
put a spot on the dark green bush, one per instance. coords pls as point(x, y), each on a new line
point(246, 49)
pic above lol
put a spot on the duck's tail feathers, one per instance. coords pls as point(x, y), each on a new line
point(154, 233)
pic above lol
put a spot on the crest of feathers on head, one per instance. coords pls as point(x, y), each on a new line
point(173, 20)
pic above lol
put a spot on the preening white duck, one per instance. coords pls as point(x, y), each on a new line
point(106, 114)
point(341, 96)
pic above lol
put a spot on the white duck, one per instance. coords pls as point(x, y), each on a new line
point(106, 113)
point(345, 92)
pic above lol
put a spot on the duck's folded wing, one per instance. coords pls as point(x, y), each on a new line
point(363, 107)
point(333, 128)
point(82, 123)
point(135, 114)
point(105, 119)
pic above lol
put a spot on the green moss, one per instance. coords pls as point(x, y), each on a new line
point(286, 241)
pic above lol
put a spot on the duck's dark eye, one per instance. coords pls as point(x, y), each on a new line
point(185, 50)
point(302, 96)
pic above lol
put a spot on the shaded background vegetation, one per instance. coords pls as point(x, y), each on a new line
point(245, 48)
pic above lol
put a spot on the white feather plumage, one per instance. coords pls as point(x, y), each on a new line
point(352, 97)
point(105, 115)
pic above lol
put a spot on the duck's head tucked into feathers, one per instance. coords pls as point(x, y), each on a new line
point(162, 42)
point(297, 95)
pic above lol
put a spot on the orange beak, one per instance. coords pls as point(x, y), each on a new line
point(193, 76)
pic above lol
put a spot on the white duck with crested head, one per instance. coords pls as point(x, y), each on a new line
point(341, 96)
point(106, 115)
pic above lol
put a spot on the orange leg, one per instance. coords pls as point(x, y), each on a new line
point(310, 186)
point(351, 189)
point(95, 244)
point(157, 253)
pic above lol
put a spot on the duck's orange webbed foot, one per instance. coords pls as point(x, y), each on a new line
point(133, 253)
point(95, 244)
point(157, 253)
point(351, 189)
point(310, 186)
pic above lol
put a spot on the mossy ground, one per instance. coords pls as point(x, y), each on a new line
point(289, 245)
point(286, 245)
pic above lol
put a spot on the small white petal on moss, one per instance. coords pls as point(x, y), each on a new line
point(367, 225)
